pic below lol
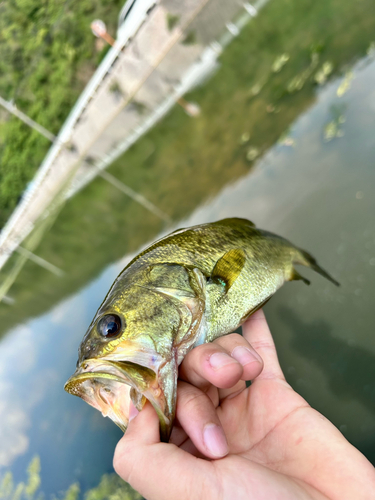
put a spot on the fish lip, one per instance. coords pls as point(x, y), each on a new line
point(120, 366)
point(76, 379)
point(142, 378)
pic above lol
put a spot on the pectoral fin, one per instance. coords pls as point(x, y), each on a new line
point(228, 267)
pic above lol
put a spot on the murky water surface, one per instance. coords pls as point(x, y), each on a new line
point(316, 188)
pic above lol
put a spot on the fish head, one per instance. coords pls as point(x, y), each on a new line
point(128, 355)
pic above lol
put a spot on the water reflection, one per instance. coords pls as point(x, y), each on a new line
point(348, 369)
point(18, 359)
point(35, 360)
point(15, 421)
point(110, 487)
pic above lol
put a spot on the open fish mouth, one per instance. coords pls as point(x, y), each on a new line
point(109, 386)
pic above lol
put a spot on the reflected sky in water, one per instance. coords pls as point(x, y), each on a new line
point(316, 192)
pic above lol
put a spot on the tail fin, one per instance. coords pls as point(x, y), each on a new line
point(309, 261)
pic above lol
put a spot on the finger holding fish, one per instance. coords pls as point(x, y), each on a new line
point(141, 453)
point(202, 387)
point(210, 364)
point(198, 417)
point(256, 331)
point(222, 363)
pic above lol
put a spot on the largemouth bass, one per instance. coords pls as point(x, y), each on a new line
point(188, 288)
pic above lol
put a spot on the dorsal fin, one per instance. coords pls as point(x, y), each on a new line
point(228, 267)
point(235, 221)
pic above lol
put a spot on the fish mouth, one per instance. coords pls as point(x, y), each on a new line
point(110, 386)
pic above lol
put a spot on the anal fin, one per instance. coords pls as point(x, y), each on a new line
point(295, 276)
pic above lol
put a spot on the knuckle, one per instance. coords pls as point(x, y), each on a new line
point(192, 359)
point(118, 462)
point(193, 398)
point(122, 460)
point(132, 472)
point(229, 342)
point(263, 345)
point(117, 465)
point(229, 339)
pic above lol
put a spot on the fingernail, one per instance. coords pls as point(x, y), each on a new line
point(133, 412)
point(220, 359)
point(245, 356)
point(215, 440)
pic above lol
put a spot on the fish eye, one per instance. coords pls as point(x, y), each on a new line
point(109, 325)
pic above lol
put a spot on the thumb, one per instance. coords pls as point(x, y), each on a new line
point(158, 471)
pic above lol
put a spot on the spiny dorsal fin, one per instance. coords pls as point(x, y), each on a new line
point(235, 221)
point(228, 267)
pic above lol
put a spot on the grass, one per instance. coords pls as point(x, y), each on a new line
point(47, 55)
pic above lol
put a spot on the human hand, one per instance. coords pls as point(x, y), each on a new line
point(276, 445)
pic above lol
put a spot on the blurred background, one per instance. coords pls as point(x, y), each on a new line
point(122, 122)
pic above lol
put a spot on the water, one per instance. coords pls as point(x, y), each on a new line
point(320, 196)
point(314, 189)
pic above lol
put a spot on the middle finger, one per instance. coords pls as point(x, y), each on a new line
point(222, 363)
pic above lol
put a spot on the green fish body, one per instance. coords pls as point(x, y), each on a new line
point(187, 288)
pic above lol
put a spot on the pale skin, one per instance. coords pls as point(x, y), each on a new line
point(231, 442)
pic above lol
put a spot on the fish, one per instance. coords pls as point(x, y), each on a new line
point(187, 288)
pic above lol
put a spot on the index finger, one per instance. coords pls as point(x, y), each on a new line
point(257, 333)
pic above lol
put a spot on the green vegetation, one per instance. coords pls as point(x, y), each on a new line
point(111, 487)
point(22, 491)
point(47, 55)
point(268, 77)
point(190, 39)
point(172, 21)
point(116, 89)
point(333, 128)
